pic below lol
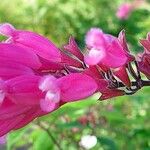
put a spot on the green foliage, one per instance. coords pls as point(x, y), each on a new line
point(120, 124)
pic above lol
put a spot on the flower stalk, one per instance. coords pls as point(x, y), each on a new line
point(49, 134)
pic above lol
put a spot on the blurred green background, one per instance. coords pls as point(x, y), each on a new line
point(119, 124)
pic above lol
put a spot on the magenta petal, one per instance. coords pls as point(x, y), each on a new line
point(93, 72)
point(73, 48)
point(116, 56)
point(115, 48)
point(95, 38)
point(10, 69)
point(50, 66)
point(24, 90)
point(94, 57)
point(28, 117)
point(10, 110)
point(48, 105)
point(114, 62)
point(102, 85)
point(76, 86)
point(69, 61)
point(122, 40)
point(11, 52)
point(9, 124)
point(39, 44)
point(13, 112)
point(146, 44)
point(96, 75)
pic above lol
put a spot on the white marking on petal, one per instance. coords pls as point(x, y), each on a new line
point(53, 96)
point(2, 96)
point(47, 83)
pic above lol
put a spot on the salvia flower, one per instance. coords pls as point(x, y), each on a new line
point(104, 49)
point(37, 77)
point(30, 40)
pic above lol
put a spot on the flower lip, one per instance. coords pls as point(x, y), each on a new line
point(6, 29)
point(47, 83)
point(94, 56)
point(52, 97)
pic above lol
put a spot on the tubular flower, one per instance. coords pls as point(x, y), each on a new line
point(104, 49)
point(37, 78)
point(35, 95)
point(30, 40)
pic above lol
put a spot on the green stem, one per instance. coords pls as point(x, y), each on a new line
point(50, 135)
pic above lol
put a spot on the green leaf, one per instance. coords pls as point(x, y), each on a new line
point(107, 143)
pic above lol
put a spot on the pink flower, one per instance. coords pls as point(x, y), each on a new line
point(144, 64)
point(105, 50)
point(50, 56)
point(29, 96)
point(124, 11)
point(32, 41)
point(144, 58)
point(44, 51)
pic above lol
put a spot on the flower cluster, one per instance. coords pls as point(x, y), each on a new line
point(36, 77)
